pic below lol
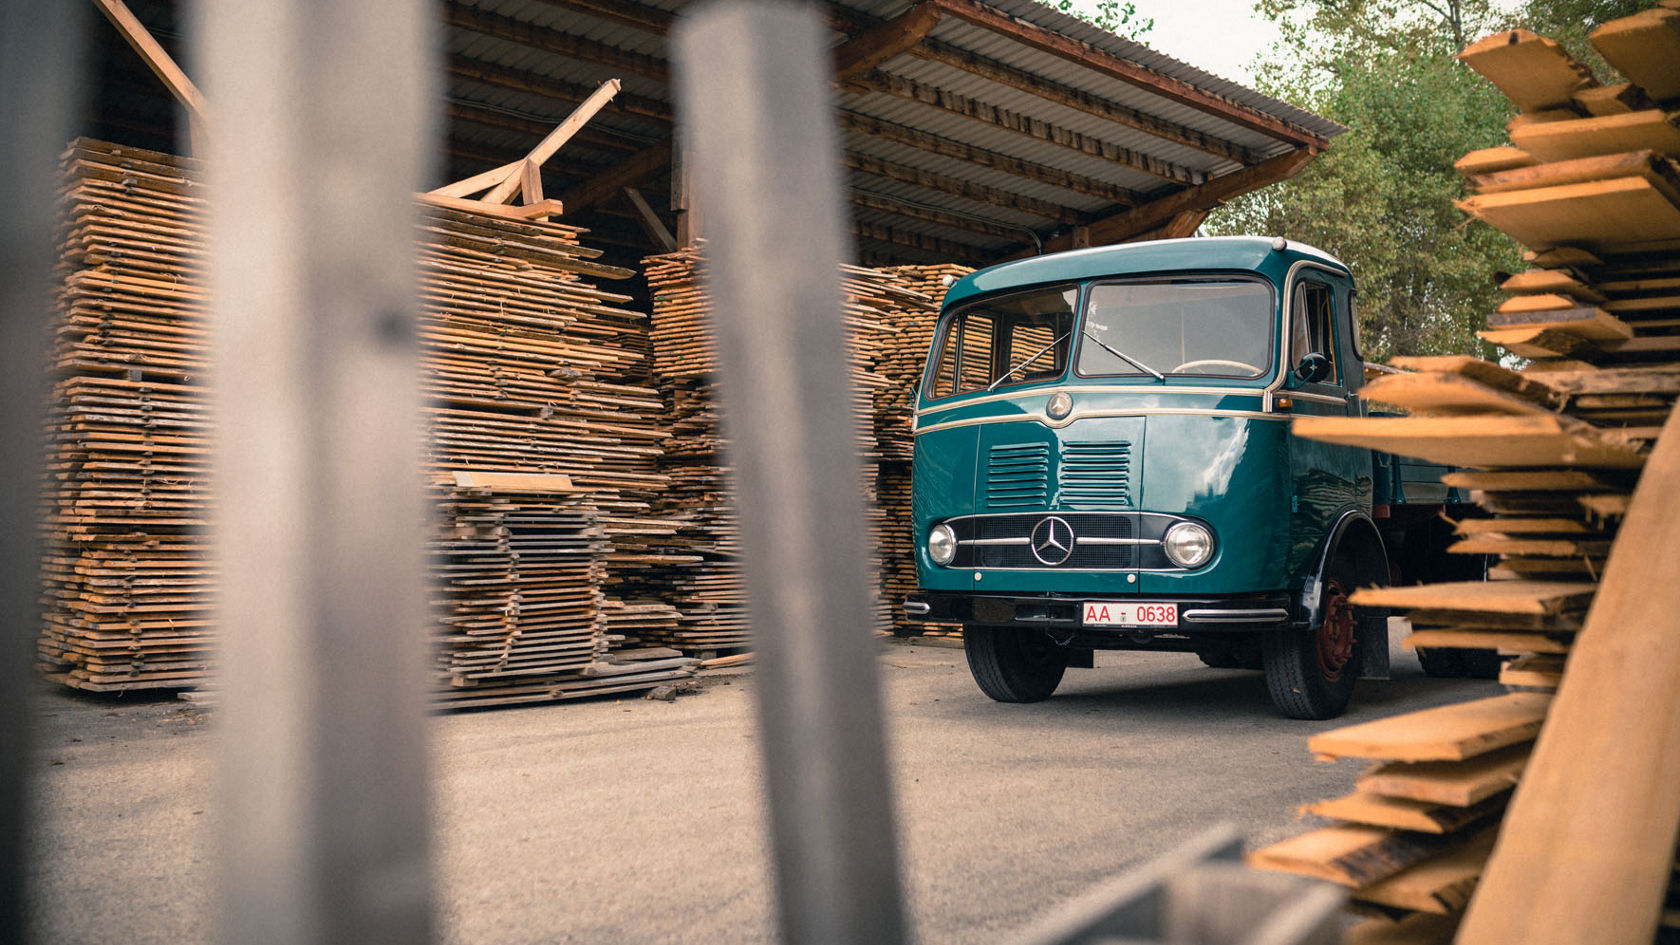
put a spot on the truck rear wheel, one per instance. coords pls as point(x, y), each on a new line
point(1012, 664)
point(1311, 673)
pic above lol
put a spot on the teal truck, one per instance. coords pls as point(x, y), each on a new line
point(1104, 460)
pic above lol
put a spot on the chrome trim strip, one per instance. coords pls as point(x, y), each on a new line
point(1115, 541)
point(1235, 616)
point(1318, 398)
point(995, 541)
point(917, 608)
point(1102, 414)
point(1041, 514)
point(942, 406)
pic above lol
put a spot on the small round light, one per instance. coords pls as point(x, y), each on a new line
point(1188, 544)
point(1279, 244)
point(942, 544)
point(1061, 404)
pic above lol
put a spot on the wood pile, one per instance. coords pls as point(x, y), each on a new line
point(530, 370)
point(1554, 453)
point(903, 355)
point(710, 593)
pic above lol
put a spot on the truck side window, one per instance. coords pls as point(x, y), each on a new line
point(1017, 339)
point(1312, 327)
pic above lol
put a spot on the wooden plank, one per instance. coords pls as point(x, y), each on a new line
point(1644, 47)
point(1542, 342)
point(1376, 810)
point(1649, 130)
point(1350, 855)
point(1481, 371)
point(1590, 836)
point(1551, 281)
point(1486, 442)
point(1618, 99)
point(468, 186)
point(1533, 672)
point(1504, 641)
point(1419, 928)
point(1440, 885)
point(1446, 394)
point(1539, 480)
point(555, 140)
point(1595, 214)
point(522, 483)
point(1456, 783)
point(1533, 72)
point(1519, 598)
point(1447, 733)
point(1493, 160)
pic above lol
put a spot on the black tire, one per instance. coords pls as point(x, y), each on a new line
point(1012, 664)
point(1310, 674)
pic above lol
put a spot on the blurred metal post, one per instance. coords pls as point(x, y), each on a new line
point(40, 77)
point(319, 133)
point(758, 115)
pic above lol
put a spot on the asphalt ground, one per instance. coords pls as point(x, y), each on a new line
point(642, 821)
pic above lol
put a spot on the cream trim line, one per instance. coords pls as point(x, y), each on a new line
point(1102, 414)
point(1097, 389)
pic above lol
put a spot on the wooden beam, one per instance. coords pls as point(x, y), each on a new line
point(559, 42)
point(555, 140)
point(980, 193)
point(861, 198)
point(509, 120)
point(943, 248)
point(622, 12)
point(161, 63)
point(995, 116)
point(472, 185)
point(651, 224)
point(609, 182)
point(1587, 846)
point(1125, 70)
point(519, 80)
point(980, 157)
point(1117, 227)
point(1083, 101)
point(876, 45)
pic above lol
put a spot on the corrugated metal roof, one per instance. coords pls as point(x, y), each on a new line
point(990, 145)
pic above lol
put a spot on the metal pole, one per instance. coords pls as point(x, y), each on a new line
point(758, 117)
point(319, 129)
point(40, 77)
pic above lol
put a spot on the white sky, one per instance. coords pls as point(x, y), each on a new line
point(1218, 36)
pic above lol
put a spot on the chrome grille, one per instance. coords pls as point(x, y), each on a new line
point(1096, 476)
point(1018, 476)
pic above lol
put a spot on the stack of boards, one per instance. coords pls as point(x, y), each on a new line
point(1553, 453)
point(530, 370)
point(903, 356)
point(710, 592)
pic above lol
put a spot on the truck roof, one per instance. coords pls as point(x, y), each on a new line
point(1246, 253)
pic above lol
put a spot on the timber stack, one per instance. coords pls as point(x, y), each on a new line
point(530, 370)
point(904, 353)
point(710, 593)
point(1547, 814)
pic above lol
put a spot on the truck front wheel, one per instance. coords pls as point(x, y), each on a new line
point(1012, 664)
point(1311, 673)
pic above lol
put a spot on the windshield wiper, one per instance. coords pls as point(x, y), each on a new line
point(1027, 360)
point(1124, 356)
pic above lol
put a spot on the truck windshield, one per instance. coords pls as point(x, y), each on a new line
point(1205, 327)
point(1015, 339)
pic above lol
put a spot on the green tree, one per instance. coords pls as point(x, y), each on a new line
point(1382, 197)
point(1118, 17)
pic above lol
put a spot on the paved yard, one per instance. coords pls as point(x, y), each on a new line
point(638, 821)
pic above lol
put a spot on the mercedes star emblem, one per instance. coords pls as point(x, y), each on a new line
point(1052, 540)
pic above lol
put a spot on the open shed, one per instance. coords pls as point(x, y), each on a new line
point(972, 131)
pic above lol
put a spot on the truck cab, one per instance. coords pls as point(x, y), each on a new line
point(1103, 460)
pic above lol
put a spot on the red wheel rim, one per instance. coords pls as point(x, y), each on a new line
point(1335, 635)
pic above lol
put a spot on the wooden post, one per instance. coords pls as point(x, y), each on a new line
point(323, 121)
point(759, 120)
point(39, 77)
point(682, 198)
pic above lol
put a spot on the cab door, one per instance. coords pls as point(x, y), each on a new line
point(1327, 479)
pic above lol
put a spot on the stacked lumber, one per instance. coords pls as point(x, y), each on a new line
point(904, 354)
point(531, 372)
point(1554, 454)
point(710, 592)
point(128, 584)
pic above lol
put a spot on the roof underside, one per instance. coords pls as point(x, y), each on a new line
point(971, 131)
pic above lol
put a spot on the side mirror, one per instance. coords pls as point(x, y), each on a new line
point(1314, 367)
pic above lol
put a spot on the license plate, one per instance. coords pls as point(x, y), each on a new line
point(1129, 614)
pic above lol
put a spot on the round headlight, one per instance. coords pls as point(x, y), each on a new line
point(1061, 404)
point(1188, 544)
point(942, 544)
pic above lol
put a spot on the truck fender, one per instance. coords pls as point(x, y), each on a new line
point(1356, 533)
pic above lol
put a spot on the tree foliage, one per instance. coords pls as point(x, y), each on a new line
point(1382, 197)
point(1119, 17)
